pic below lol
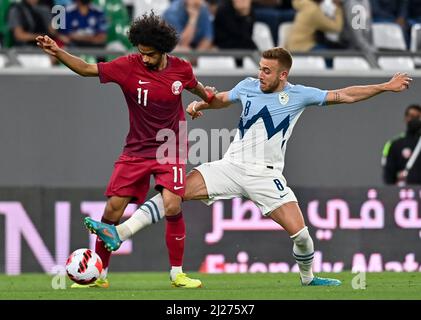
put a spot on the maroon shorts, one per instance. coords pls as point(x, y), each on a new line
point(131, 177)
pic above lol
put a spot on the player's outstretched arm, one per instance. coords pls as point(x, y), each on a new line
point(74, 63)
point(399, 82)
point(220, 100)
point(205, 93)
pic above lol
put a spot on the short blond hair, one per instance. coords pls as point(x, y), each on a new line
point(282, 55)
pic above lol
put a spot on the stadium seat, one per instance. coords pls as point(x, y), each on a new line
point(3, 61)
point(308, 63)
point(416, 37)
point(350, 63)
point(388, 36)
point(216, 63)
point(416, 42)
point(262, 36)
point(142, 6)
point(283, 31)
point(249, 64)
point(396, 63)
point(34, 60)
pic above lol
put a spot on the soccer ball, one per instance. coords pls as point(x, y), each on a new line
point(84, 266)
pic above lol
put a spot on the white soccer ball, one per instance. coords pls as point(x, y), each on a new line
point(84, 266)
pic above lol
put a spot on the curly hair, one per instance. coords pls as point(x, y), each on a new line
point(152, 31)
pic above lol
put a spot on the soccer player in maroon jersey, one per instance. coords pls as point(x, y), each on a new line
point(152, 82)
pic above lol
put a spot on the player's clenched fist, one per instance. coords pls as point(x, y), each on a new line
point(191, 110)
point(47, 44)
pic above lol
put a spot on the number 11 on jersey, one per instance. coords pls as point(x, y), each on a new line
point(142, 92)
point(178, 174)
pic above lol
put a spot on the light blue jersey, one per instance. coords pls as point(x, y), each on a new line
point(267, 121)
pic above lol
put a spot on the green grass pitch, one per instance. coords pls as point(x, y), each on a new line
point(156, 286)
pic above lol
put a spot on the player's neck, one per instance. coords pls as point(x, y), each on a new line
point(281, 86)
point(164, 62)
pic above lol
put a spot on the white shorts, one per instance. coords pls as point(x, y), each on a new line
point(266, 187)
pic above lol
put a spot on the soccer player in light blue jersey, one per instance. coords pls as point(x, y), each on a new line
point(253, 164)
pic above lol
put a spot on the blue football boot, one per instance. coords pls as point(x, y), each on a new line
point(106, 232)
point(317, 281)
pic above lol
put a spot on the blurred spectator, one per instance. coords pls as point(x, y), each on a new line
point(308, 21)
point(398, 151)
point(395, 11)
point(27, 20)
point(414, 12)
point(86, 25)
point(273, 13)
point(47, 3)
point(234, 25)
point(213, 6)
point(330, 40)
point(192, 20)
point(63, 2)
point(51, 3)
point(359, 37)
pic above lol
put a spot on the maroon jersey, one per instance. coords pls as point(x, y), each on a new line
point(153, 98)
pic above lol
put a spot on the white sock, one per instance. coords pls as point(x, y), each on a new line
point(174, 271)
point(103, 274)
point(303, 252)
point(150, 212)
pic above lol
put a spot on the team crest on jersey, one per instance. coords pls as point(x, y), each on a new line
point(283, 98)
point(176, 87)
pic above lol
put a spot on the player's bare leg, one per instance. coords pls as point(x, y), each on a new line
point(165, 204)
point(290, 217)
point(154, 209)
point(195, 187)
point(113, 212)
point(115, 207)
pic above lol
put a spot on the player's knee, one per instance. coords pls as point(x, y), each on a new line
point(172, 208)
point(302, 238)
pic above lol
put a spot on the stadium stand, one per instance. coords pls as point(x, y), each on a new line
point(415, 44)
point(388, 36)
point(249, 64)
point(283, 32)
point(262, 36)
point(415, 37)
point(309, 62)
point(34, 60)
point(396, 63)
point(216, 63)
point(392, 49)
point(142, 6)
point(350, 63)
point(3, 61)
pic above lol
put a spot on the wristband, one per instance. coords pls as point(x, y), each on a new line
point(210, 95)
